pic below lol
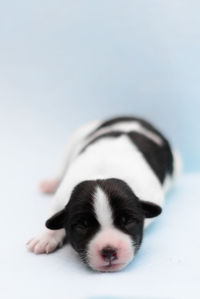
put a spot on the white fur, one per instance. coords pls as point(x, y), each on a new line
point(116, 239)
point(106, 158)
point(108, 236)
point(178, 166)
point(47, 241)
point(102, 209)
point(111, 158)
point(128, 127)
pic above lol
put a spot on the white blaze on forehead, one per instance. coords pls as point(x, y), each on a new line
point(102, 208)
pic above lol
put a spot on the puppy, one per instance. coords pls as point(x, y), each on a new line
point(112, 185)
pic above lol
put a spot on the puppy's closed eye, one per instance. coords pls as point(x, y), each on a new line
point(81, 226)
point(127, 220)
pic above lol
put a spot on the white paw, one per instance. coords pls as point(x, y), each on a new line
point(49, 186)
point(47, 241)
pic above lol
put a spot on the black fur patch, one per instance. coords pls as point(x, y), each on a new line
point(159, 157)
point(80, 221)
point(115, 120)
point(127, 211)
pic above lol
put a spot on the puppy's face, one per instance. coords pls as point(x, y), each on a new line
point(104, 223)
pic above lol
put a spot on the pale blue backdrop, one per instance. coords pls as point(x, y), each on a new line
point(66, 62)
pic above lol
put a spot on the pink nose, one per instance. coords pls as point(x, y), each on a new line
point(109, 253)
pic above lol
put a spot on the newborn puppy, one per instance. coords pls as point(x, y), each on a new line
point(113, 184)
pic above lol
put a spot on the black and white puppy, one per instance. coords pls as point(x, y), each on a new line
point(113, 184)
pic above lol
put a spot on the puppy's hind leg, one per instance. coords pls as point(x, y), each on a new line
point(49, 186)
point(72, 148)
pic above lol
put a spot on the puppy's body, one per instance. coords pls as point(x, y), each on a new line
point(122, 164)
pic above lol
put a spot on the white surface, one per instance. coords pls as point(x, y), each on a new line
point(167, 265)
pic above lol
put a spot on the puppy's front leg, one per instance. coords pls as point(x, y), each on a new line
point(47, 241)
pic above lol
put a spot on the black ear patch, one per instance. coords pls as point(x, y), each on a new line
point(150, 209)
point(56, 221)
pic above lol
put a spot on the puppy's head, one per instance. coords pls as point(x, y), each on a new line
point(104, 223)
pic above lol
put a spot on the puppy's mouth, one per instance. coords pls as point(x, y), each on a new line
point(110, 267)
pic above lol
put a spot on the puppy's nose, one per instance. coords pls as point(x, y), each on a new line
point(109, 253)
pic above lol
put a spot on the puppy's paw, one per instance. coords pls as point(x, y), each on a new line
point(47, 241)
point(49, 186)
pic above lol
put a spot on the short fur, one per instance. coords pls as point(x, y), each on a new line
point(112, 186)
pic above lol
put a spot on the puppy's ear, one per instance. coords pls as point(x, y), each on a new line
point(57, 221)
point(150, 209)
